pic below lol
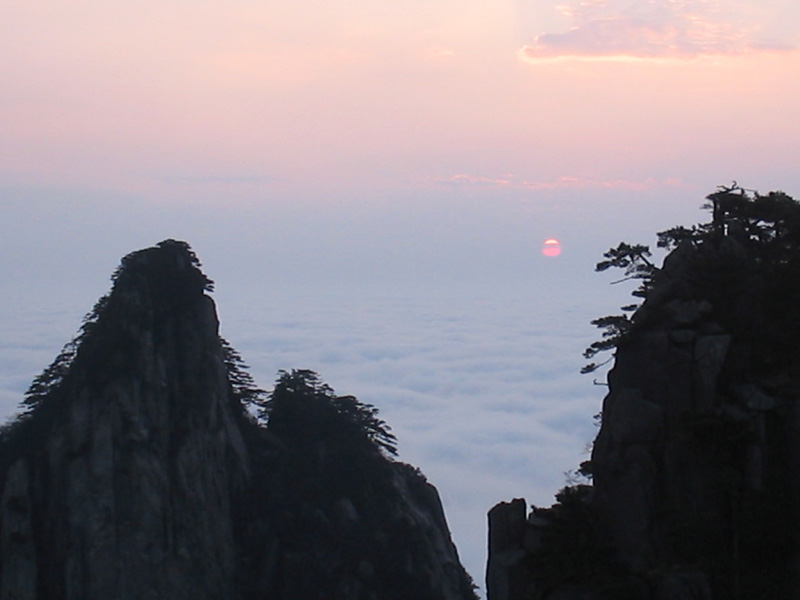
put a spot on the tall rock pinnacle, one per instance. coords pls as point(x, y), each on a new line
point(124, 492)
point(695, 489)
point(137, 473)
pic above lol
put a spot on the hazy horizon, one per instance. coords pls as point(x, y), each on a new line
point(478, 378)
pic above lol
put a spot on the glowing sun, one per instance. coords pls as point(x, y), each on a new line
point(551, 247)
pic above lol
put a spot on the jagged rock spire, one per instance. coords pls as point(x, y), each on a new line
point(137, 472)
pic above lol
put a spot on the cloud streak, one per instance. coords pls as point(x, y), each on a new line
point(564, 182)
point(656, 30)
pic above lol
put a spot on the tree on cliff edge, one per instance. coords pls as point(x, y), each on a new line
point(308, 409)
point(700, 430)
point(759, 235)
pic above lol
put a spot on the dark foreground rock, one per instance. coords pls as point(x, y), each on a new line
point(695, 468)
point(137, 473)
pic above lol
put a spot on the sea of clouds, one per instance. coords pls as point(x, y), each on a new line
point(446, 317)
point(480, 384)
point(481, 387)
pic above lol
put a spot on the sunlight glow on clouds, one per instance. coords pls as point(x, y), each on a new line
point(656, 30)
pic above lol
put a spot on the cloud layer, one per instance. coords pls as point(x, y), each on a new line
point(480, 385)
point(659, 29)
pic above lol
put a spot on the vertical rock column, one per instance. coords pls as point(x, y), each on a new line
point(506, 577)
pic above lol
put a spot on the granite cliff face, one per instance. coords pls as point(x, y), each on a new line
point(695, 489)
point(137, 472)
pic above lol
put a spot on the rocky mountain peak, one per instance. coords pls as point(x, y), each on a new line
point(694, 491)
point(169, 273)
point(137, 470)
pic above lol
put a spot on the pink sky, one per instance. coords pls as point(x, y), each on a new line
point(173, 99)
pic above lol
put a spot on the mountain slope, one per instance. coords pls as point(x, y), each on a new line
point(695, 491)
point(138, 472)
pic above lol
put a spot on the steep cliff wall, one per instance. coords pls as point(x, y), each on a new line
point(137, 473)
point(694, 464)
point(695, 491)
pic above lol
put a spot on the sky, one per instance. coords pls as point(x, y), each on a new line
point(370, 185)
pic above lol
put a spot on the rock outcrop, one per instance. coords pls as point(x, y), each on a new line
point(138, 473)
point(695, 489)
